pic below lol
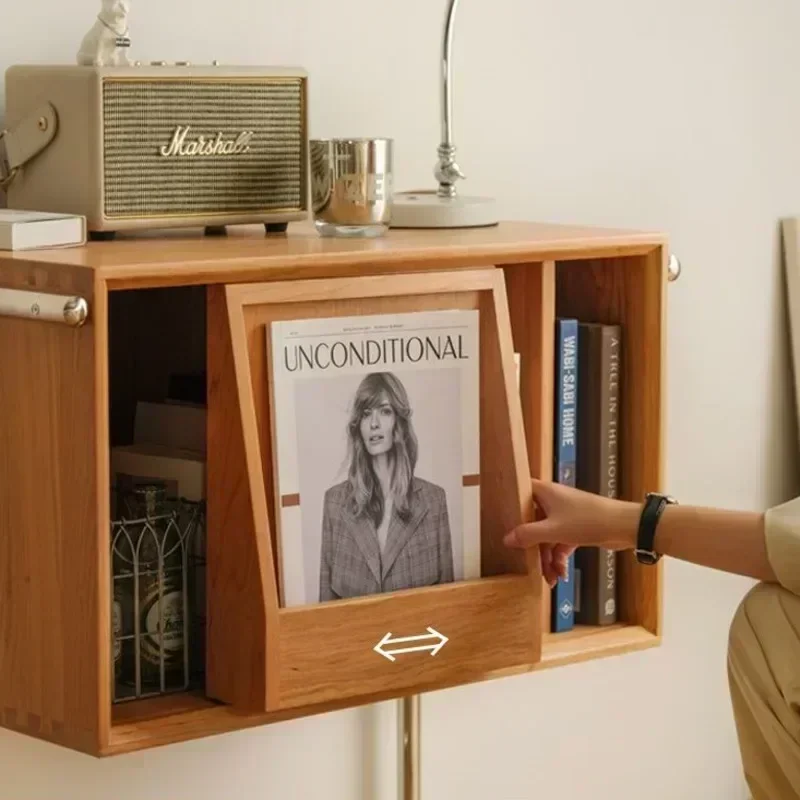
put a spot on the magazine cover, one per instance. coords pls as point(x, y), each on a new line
point(376, 452)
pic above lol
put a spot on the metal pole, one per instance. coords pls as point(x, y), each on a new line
point(409, 756)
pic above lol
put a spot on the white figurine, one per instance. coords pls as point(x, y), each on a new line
point(106, 43)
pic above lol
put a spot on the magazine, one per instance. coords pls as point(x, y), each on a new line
point(376, 458)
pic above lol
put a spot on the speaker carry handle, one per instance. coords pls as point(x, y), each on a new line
point(25, 140)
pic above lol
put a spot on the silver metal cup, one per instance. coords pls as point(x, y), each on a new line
point(351, 186)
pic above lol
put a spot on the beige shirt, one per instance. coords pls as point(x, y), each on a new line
point(782, 528)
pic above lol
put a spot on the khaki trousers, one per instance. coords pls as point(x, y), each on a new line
point(764, 679)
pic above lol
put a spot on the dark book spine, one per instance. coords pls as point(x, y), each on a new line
point(564, 463)
point(599, 358)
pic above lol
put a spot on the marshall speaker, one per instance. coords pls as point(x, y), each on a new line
point(158, 145)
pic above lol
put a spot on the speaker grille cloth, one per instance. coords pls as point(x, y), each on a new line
point(140, 117)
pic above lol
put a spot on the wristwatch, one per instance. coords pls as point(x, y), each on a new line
point(654, 504)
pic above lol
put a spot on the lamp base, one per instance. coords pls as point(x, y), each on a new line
point(426, 209)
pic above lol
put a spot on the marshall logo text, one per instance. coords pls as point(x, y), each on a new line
point(219, 145)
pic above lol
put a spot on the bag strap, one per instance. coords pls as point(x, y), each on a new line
point(25, 140)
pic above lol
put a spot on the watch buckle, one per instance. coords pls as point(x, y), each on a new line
point(646, 556)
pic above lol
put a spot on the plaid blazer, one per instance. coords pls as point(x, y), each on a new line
point(417, 553)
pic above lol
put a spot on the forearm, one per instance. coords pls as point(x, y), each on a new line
point(732, 541)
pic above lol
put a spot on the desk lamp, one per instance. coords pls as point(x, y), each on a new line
point(444, 207)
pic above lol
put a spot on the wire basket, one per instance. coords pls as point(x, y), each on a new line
point(157, 594)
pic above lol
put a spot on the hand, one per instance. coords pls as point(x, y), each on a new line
point(574, 518)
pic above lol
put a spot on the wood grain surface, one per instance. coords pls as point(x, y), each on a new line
point(54, 621)
point(172, 257)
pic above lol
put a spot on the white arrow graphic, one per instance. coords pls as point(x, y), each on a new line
point(390, 652)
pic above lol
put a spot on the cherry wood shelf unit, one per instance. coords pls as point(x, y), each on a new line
point(179, 301)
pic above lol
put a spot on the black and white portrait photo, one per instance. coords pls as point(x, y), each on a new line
point(375, 459)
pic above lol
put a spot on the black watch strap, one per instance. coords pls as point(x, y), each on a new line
point(654, 505)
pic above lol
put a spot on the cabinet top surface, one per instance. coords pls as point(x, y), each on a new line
point(170, 256)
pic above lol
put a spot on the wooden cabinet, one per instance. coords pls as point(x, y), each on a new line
point(174, 303)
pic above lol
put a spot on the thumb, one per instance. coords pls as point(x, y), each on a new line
point(529, 534)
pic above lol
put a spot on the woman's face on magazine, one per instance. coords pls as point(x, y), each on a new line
point(377, 426)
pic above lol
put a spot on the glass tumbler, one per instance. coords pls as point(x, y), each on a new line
point(351, 186)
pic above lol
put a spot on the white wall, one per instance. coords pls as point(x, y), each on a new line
point(681, 116)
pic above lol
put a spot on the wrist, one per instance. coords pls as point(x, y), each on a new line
point(626, 524)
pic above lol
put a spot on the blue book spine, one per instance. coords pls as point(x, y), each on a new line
point(565, 450)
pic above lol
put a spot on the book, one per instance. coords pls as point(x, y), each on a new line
point(565, 449)
point(598, 465)
point(375, 424)
point(33, 230)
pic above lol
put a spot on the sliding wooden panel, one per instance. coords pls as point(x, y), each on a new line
point(327, 652)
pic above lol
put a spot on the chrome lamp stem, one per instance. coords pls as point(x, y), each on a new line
point(447, 172)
